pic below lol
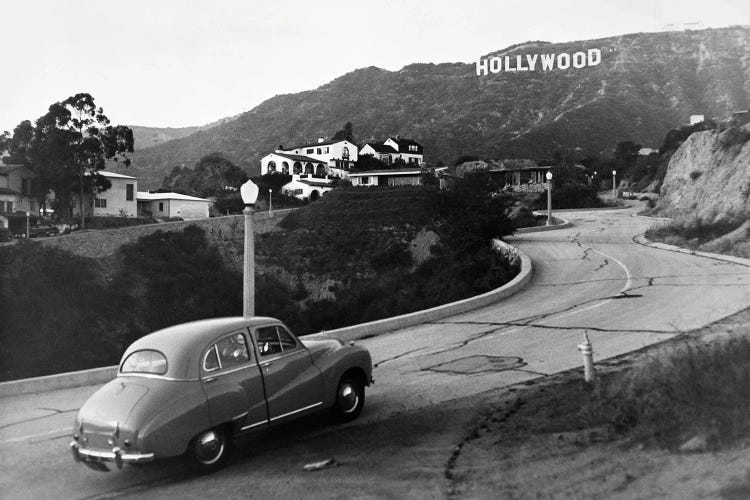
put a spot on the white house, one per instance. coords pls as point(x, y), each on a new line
point(166, 205)
point(304, 187)
point(118, 200)
point(393, 148)
point(408, 150)
point(379, 151)
point(319, 159)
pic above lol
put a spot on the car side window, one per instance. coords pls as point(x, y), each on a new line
point(233, 351)
point(268, 340)
point(287, 341)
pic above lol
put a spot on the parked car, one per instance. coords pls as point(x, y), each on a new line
point(191, 389)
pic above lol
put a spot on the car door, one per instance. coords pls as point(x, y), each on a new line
point(233, 383)
point(293, 383)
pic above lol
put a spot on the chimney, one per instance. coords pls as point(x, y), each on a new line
point(320, 140)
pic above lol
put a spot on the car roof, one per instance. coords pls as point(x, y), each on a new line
point(182, 344)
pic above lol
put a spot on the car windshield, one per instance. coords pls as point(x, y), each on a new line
point(146, 361)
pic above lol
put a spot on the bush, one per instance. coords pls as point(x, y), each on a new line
point(56, 313)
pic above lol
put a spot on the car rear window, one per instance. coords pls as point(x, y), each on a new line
point(145, 361)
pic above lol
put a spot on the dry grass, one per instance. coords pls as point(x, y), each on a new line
point(693, 390)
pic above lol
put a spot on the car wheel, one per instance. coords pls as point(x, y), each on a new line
point(350, 398)
point(208, 451)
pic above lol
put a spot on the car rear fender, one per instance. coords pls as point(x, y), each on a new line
point(176, 413)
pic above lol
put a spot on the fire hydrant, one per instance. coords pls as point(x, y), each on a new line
point(588, 358)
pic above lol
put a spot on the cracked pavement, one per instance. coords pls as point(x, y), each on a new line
point(590, 278)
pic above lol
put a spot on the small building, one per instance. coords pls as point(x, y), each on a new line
point(391, 177)
point(517, 174)
point(169, 205)
point(18, 191)
point(118, 200)
point(307, 187)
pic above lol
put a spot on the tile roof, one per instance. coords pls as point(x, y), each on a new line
point(292, 157)
point(8, 191)
point(381, 147)
point(313, 144)
point(403, 144)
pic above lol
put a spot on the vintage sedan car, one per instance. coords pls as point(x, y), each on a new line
point(190, 389)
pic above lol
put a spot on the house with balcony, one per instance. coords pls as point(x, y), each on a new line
point(319, 159)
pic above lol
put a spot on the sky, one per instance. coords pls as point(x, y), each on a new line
point(176, 63)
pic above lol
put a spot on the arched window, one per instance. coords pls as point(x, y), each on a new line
point(320, 170)
point(271, 166)
point(308, 168)
point(345, 153)
point(285, 167)
point(297, 167)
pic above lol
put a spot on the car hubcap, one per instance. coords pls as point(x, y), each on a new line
point(348, 398)
point(210, 447)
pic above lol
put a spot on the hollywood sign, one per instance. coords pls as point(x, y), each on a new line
point(545, 62)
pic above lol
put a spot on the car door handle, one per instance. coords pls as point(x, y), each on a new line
point(266, 364)
point(208, 380)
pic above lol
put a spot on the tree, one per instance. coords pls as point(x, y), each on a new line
point(211, 176)
point(346, 133)
point(68, 146)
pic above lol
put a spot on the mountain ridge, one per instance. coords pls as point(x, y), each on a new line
point(645, 84)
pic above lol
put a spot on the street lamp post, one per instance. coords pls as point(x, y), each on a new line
point(549, 198)
point(614, 185)
point(249, 193)
point(270, 204)
point(28, 214)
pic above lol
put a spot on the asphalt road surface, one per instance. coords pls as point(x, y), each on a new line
point(430, 378)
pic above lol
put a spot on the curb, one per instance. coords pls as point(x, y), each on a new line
point(537, 229)
point(105, 374)
point(642, 240)
point(378, 327)
point(597, 209)
point(58, 381)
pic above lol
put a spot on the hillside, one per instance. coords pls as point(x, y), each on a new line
point(645, 84)
point(709, 176)
point(146, 137)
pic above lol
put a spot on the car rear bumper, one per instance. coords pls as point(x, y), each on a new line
point(95, 458)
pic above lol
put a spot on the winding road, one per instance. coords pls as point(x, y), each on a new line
point(591, 277)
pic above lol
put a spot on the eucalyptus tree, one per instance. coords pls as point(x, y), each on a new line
point(68, 146)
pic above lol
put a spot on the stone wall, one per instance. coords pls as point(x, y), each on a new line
point(227, 233)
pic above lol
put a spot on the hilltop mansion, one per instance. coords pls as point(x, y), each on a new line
point(313, 166)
